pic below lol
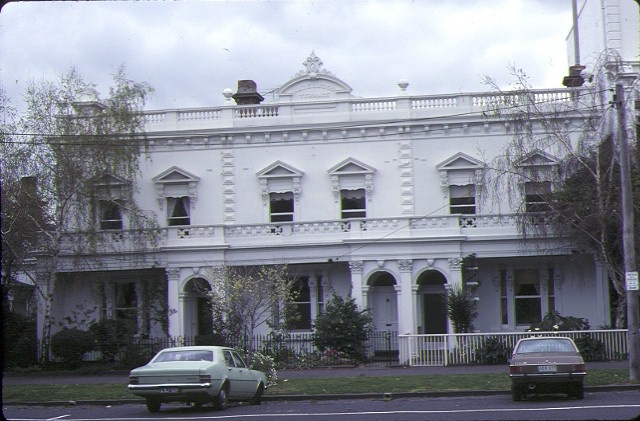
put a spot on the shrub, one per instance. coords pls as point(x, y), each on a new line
point(19, 341)
point(70, 345)
point(462, 309)
point(591, 349)
point(494, 351)
point(342, 328)
point(111, 336)
point(261, 362)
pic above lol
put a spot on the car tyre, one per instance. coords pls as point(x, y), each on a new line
point(257, 397)
point(153, 405)
point(220, 401)
point(516, 394)
point(579, 391)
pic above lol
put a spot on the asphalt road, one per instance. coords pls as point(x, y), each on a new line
point(619, 405)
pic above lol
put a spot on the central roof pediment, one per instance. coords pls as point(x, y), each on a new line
point(314, 83)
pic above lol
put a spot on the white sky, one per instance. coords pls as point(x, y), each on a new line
point(191, 51)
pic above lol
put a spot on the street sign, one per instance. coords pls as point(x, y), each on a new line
point(632, 281)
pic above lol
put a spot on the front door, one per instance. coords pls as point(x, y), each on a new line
point(435, 313)
point(384, 307)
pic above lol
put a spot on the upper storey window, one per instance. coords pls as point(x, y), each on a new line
point(280, 189)
point(538, 169)
point(177, 190)
point(110, 193)
point(178, 211)
point(353, 203)
point(110, 215)
point(352, 185)
point(281, 207)
point(461, 179)
point(462, 199)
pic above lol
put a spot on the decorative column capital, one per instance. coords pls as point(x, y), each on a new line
point(405, 265)
point(356, 266)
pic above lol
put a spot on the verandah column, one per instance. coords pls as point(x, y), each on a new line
point(406, 299)
point(356, 283)
point(174, 302)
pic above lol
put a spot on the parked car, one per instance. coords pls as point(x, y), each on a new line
point(198, 375)
point(546, 365)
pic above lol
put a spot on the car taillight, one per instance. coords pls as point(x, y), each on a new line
point(205, 378)
point(515, 369)
point(580, 368)
point(133, 380)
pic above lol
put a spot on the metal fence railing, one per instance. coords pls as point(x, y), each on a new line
point(298, 349)
point(492, 348)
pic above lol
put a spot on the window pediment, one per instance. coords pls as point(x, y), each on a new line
point(176, 182)
point(279, 177)
point(109, 186)
point(460, 170)
point(538, 158)
point(351, 174)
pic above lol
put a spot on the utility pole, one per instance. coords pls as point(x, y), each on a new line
point(631, 274)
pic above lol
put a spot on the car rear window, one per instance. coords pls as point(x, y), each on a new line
point(545, 345)
point(168, 356)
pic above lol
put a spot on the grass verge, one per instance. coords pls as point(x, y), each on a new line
point(310, 386)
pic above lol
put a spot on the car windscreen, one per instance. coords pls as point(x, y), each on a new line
point(545, 345)
point(170, 356)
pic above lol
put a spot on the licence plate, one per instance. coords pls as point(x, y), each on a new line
point(169, 390)
point(547, 368)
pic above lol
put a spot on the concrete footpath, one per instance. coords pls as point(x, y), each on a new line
point(370, 371)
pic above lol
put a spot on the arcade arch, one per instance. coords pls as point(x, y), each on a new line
point(198, 319)
point(383, 301)
point(431, 301)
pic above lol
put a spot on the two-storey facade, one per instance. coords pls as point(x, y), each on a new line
point(377, 198)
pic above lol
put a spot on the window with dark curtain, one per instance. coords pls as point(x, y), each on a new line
point(281, 207)
point(110, 215)
point(353, 203)
point(462, 199)
point(178, 211)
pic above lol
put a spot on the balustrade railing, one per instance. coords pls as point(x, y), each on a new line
point(115, 241)
point(410, 104)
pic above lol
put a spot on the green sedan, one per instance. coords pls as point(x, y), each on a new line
point(197, 375)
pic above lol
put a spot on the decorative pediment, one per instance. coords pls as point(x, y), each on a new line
point(460, 161)
point(351, 166)
point(460, 170)
point(538, 158)
point(111, 187)
point(351, 174)
point(279, 178)
point(176, 182)
point(314, 83)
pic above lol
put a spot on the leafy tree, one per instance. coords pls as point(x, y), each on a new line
point(342, 327)
point(243, 298)
point(70, 146)
point(583, 203)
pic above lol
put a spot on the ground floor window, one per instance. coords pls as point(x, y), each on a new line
point(301, 303)
point(126, 304)
point(526, 295)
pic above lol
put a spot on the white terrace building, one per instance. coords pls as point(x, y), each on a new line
point(379, 198)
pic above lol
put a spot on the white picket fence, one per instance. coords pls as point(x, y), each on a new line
point(470, 348)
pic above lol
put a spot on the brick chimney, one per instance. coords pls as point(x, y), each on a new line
point(247, 93)
point(575, 78)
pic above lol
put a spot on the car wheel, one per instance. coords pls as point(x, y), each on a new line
point(220, 401)
point(579, 391)
point(516, 394)
point(257, 397)
point(153, 405)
